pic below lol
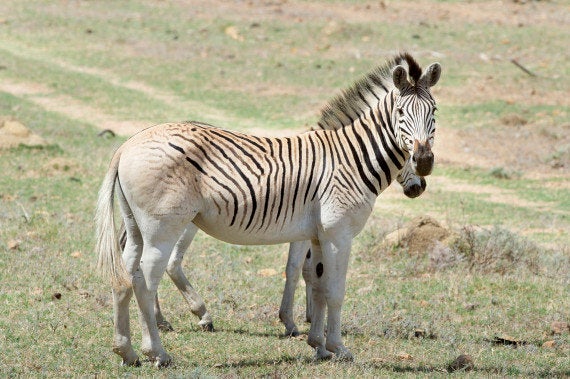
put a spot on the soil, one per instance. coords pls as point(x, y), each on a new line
point(419, 235)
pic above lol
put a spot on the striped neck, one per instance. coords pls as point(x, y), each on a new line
point(371, 147)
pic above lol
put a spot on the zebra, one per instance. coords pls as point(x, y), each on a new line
point(175, 178)
point(412, 185)
point(299, 259)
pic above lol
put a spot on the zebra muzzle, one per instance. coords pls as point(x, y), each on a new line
point(415, 190)
point(423, 158)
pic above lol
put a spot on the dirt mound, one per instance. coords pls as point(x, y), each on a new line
point(420, 235)
point(13, 134)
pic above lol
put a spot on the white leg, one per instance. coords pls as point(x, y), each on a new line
point(297, 251)
point(174, 270)
point(329, 281)
point(132, 251)
point(335, 257)
point(161, 322)
point(308, 285)
point(159, 241)
point(122, 331)
point(316, 337)
point(151, 345)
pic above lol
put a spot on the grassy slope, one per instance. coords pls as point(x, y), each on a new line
point(100, 55)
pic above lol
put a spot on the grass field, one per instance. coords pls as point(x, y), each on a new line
point(69, 69)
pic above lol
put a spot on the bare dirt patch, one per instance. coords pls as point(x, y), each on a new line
point(532, 150)
point(496, 12)
point(72, 107)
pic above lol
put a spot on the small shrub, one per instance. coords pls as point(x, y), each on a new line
point(502, 173)
point(497, 250)
point(442, 257)
point(559, 158)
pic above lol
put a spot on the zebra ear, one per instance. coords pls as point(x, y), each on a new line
point(400, 77)
point(432, 74)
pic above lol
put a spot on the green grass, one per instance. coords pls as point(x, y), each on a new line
point(153, 62)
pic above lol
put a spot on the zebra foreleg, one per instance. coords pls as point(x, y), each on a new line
point(297, 252)
point(329, 282)
point(307, 266)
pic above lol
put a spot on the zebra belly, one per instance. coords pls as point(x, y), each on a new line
point(299, 229)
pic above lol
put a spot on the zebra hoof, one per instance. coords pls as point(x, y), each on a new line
point(342, 354)
point(163, 361)
point(207, 327)
point(134, 363)
point(322, 354)
point(164, 326)
point(293, 332)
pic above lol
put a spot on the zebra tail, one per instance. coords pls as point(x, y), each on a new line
point(110, 263)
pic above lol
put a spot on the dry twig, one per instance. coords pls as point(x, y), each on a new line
point(527, 71)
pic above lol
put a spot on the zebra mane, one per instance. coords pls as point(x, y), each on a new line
point(366, 92)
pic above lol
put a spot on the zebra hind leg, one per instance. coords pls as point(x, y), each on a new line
point(160, 237)
point(174, 270)
point(131, 245)
point(161, 323)
point(122, 331)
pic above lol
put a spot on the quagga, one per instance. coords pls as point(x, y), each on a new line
point(412, 185)
point(321, 185)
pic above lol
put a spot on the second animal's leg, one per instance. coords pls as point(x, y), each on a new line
point(308, 285)
point(292, 272)
point(316, 338)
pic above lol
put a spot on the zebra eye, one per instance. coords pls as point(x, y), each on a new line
point(401, 112)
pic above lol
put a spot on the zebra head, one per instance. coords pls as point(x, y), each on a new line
point(412, 184)
point(414, 110)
